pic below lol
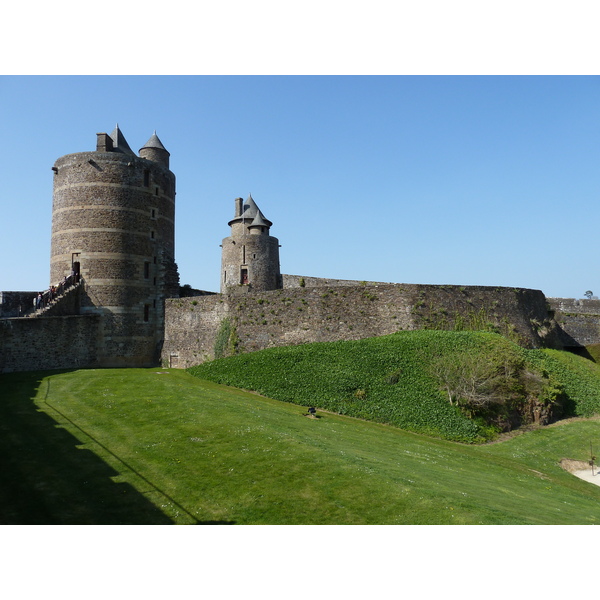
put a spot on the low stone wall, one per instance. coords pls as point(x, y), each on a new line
point(295, 281)
point(195, 328)
point(29, 344)
point(578, 319)
point(16, 304)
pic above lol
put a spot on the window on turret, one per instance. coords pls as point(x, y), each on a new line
point(244, 277)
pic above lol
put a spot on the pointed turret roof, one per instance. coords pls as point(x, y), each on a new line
point(249, 209)
point(260, 221)
point(251, 212)
point(119, 141)
point(154, 142)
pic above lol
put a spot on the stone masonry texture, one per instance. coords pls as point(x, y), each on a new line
point(346, 312)
point(579, 320)
point(49, 343)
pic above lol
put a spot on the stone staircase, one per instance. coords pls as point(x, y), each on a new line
point(52, 306)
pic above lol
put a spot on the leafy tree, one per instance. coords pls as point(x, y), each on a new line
point(476, 380)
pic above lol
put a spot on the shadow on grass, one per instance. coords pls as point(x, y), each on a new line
point(45, 479)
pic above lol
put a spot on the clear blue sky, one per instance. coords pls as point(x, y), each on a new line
point(466, 180)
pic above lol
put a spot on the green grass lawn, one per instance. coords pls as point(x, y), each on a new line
point(160, 446)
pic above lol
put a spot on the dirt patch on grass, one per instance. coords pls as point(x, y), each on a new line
point(581, 469)
point(574, 465)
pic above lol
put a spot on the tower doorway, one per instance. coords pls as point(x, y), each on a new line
point(75, 267)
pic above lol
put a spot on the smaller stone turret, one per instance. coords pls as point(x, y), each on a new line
point(250, 255)
point(154, 150)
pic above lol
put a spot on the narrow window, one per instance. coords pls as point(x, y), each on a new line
point(146, 178)
point(153, 213)
point(156, 191)
point(244, 278)
point(155, 260)
point(152, 234)
point(146, 312)
point(146, 270)
point(225, 276)
point(155, 281)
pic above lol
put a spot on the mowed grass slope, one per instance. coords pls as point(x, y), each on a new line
point(161, 446)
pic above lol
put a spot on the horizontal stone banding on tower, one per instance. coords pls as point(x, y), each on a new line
point(113, 282)
point(104, 255)
point(111, 207)
point(133, 312)
point(132, 243)
point(114, 223)
point(102, 192)
point(57, 234)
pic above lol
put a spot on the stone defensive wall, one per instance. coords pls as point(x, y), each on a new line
point(579, 320)
point(16, 304)
point(59, 337)
point(30, 344)
point(295, 281)
point(203, 328)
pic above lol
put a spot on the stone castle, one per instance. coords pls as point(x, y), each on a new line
point(115, 298)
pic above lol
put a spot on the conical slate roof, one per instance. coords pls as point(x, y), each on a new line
point(251, 212)
point(154, 142)
point(260, 221)
point(249, 209)
point(119, 141)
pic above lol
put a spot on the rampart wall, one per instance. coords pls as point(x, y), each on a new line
point(200, 329)
point(67, 342)
point(15, 304)
point(59, 337)
point(295, 281)
point(579, 320)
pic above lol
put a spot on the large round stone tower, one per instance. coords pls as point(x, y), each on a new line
point(113, 224)
point(250, 257)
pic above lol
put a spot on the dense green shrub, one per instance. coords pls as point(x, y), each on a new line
point(579, 378)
